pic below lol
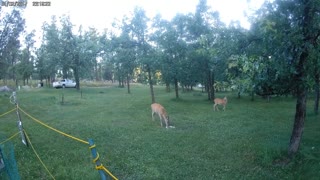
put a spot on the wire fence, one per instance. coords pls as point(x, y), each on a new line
point(103, 171)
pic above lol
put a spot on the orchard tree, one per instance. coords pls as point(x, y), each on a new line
point(124, 49)
point(11, 27)
point(291, 30)
point(25, 66)
point(68, 55)
point(160, 28)
point(206, 37)
point(49, 53)
point(174, 50)
point(145, 54)
point(84, 54)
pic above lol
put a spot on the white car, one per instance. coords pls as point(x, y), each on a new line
point(64, 83)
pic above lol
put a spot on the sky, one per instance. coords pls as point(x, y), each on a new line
point(101, 13)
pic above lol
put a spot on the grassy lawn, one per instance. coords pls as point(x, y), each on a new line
point(240, 143)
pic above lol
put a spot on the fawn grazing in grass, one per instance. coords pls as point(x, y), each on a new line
point(218, 101)
point(159, 109)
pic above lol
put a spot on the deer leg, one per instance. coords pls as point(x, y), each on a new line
point(166, 121)
point(160, 120)
point(152, 114)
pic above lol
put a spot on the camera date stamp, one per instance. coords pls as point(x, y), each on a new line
point(41, 3)
point(24, 3)
point(14, 3)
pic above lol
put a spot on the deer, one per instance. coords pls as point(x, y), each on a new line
point(162, 113)
point(219, 101)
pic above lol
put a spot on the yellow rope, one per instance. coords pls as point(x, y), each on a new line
point(7, 112)
point(93, 146)
point(101, 167)
point(77, 139)
point(38, 155)
point(96, 159)
point(9, 138)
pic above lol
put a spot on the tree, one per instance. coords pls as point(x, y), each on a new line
point(67, 54)
point(144, 51)
point(307, 17)
point(317, 86)
point(206, 32)
point(291, 34)
point(69, 57)
point(124, 48)
point(159, 26)
point(25, 66)
point(11, 27)
point(174, 49)
point(49, 53)
point(86, 50)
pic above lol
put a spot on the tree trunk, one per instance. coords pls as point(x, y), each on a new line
point(212, 86)
point(119, 79)
point(64, 72)
point(208, 86)
point(210, 83)
point(150, 84)
point(298, 123)
point(75, 68)
point(252, 95)
point(176, 88)
point(128, 83)
point(167, 86)
point(123, 81)
point(301, 93)
point(96, 71)
point(77, 78)
point(317, 92)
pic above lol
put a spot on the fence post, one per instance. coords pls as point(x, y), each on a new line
point(96, 160)
point(2, 165)
point(13, 99)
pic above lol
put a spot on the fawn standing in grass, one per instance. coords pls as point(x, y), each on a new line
point(218, 101)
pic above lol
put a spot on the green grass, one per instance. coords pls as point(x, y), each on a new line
point(240, 143)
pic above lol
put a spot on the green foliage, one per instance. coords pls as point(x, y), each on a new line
point(26, 59)
point(11, 27)
point(70, 54)
point(277, 37)
point(48, 53)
